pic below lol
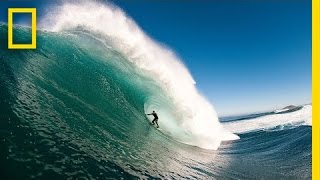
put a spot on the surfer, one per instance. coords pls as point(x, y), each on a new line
point(155, 120)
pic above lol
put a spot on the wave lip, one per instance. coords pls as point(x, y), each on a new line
point(192, 114)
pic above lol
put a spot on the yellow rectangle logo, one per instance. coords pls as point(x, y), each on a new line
point(33, 12)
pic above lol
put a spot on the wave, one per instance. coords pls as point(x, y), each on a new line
point(76, 104)
point(273, 121)
point(185, 114)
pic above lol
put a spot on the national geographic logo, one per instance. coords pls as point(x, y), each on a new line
point(33, 44)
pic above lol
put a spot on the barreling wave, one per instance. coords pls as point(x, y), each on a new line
point(74, 107)
point(144, 75)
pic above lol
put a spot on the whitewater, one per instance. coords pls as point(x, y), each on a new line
point(274, 121)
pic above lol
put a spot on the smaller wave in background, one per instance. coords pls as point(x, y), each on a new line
point(272, 121)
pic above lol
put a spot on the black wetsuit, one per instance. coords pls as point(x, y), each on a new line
point(155, 120)
point(155, 115)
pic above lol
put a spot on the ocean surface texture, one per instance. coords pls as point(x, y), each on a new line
point(75, 108)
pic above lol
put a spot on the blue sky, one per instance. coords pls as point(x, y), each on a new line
point(245, 55)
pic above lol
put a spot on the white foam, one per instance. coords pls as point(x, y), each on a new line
point(198, 120)
point(296, 118)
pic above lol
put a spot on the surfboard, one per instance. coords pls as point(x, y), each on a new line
point(155, 126)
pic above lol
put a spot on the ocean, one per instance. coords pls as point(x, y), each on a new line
point(74, 108)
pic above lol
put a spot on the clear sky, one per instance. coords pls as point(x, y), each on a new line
point(245, 55)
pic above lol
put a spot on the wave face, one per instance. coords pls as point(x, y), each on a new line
point(184, 113)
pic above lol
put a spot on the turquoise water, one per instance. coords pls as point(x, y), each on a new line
point(75, 108)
